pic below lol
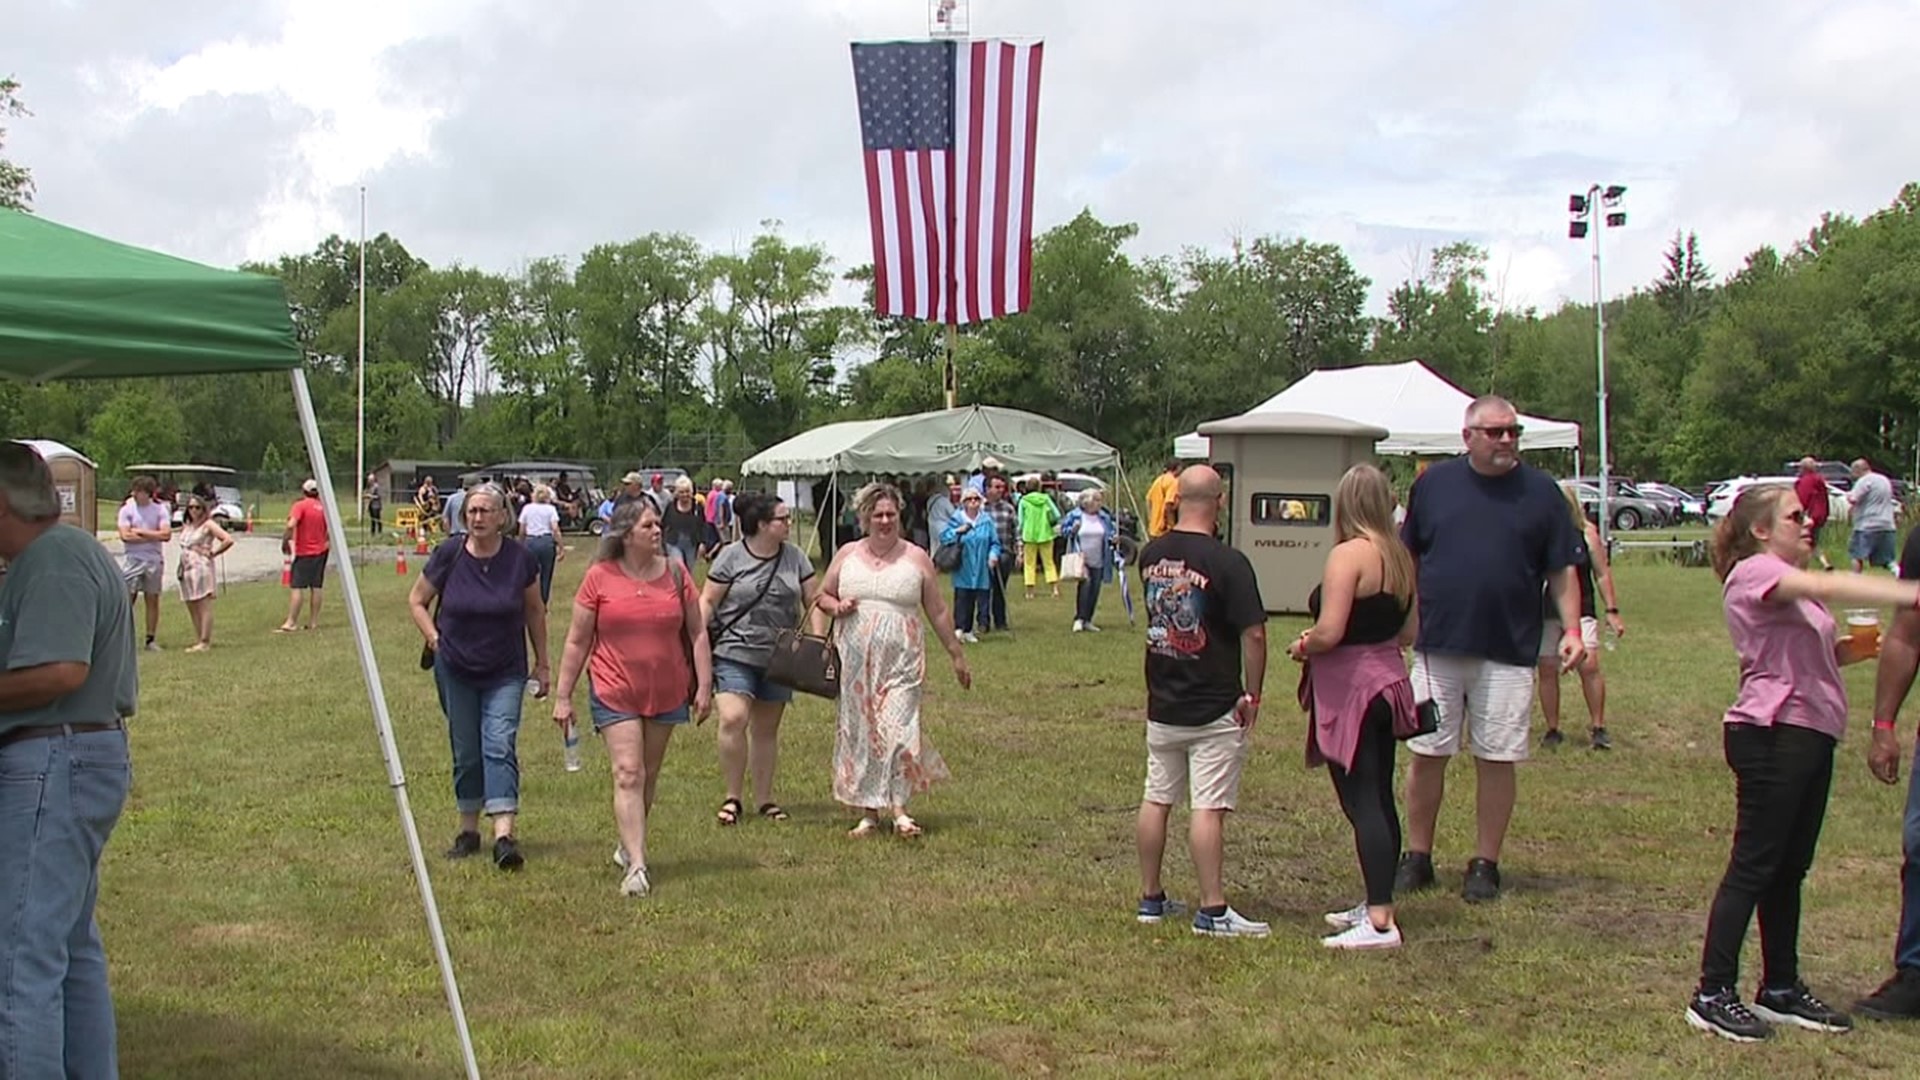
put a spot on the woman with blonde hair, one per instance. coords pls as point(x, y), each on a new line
point(540, 531)
point(1356, 690)
point(1594, 574)
point(876, 588)
point(683, 521)
point(202, 540)
point(639, 632)
point(1778, 737)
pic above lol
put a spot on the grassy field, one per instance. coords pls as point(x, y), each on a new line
point(261, 920)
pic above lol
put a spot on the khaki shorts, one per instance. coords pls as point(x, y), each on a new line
point(1550, 637)
point(143, 577)
point(1202, 761)
point(1483, 703)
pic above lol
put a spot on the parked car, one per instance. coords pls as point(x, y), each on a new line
point(1838, 473)
point(1692, 507)
point(1720, 496)
point(1649, 510)
point(1071, 483)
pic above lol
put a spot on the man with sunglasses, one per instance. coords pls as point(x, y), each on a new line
point(1486, 532)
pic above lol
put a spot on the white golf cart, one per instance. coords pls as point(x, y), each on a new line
point(214, 483)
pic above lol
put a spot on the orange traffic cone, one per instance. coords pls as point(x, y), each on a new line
point(286, 572)
point(400, 561)
point(420, 544)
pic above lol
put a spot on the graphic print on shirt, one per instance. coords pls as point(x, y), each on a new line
point(1176, 610)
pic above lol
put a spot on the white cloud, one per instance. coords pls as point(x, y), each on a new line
point(495, 131)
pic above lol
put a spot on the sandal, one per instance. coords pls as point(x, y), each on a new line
point(867, 827)
point(730, 810)
point(907, 828)
point(772, 812)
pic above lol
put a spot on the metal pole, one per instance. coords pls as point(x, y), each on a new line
point(360, 441)
point(1600, 354)
point(382, 722)
point(949, 377)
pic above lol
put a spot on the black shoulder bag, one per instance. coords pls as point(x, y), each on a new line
point(715, 634)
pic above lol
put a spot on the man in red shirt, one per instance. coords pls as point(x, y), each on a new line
point(306, 540)
point(1811, 488)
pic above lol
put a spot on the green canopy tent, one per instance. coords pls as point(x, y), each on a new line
point(73, 305)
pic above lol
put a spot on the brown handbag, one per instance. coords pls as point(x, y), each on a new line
point(809, 663)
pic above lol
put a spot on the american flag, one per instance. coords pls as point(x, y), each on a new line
point(949, 130)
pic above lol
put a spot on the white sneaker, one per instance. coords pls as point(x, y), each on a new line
point(1078, 626)
point(620, 859)
point(1364, 936)
point(636, 883)
point(1339, 920)
point(1232, 924)
point(1092, 629)
point(969, 637)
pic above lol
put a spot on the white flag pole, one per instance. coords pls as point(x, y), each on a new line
point(360, 424)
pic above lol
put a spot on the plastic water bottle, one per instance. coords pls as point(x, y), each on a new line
point(570, 736)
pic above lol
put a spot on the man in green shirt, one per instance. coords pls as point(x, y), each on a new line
point(67, 684)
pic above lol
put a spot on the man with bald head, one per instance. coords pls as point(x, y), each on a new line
point(1206, 661)
point(1811, 488)
point(1872, 497)
point(1487, 532)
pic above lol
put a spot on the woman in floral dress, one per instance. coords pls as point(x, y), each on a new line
point(202, 540)
point(874, 590)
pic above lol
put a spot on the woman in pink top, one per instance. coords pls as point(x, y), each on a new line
point(1356, 690)
point(638, 629)
point(1779, 735)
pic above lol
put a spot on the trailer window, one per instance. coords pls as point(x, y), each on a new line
point(1315, 511)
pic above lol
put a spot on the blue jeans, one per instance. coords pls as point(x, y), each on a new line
point(59, 800)
point(689, 554)
point(1087, 596)
point(966, 602)
point(483, 723)
point(544, 551)
point(1906, 947)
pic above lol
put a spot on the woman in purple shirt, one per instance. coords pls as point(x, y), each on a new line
point(1779, 736)
point(490, 610)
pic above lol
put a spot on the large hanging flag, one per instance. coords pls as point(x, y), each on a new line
point(949, 130)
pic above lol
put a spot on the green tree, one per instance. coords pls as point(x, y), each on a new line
point(16, 181)
point(136, 425)
point(1441, 317)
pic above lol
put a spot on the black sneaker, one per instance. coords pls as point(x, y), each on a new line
point(1796, 1005)
point(1724, 1014)
point(465, 844)
point(1897, 999)
point(1601, 740)
point(1415, 873)
point(1552, 739)
point(506, 853)
point(1482, 882)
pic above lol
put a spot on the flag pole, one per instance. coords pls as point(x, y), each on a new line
point(952, 381)
point(360, 419)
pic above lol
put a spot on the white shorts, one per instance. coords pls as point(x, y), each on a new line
point(1203, 761)
point(1550, 637)
point(1490, 702)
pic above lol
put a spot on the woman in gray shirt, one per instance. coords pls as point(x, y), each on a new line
point(755, 589)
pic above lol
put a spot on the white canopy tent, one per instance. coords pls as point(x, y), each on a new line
point(1421, 411)
point(947, 440)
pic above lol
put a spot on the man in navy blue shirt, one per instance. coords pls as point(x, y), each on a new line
point(1485, 531)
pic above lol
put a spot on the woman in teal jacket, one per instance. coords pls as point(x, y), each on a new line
point(1090, 533)
point(972, 528)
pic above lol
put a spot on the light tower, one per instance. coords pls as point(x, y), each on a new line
point(947, 18)
point(1593, 213)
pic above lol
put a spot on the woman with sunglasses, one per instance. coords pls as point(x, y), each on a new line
point(202, 540)
point(1779, 737)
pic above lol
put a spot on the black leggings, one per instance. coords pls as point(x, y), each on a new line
point(1781, 776)
point(1366, 796)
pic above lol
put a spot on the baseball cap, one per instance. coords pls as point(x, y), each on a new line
point(633, 478)
point(990, 463)
point(311, 487)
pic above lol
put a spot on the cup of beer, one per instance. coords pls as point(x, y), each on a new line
point(1863, 631)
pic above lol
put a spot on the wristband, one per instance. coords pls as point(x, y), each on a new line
point(1883, 725)
point(1613, 611)
point(1254, 699)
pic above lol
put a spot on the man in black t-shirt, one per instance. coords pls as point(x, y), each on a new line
point(1487, 533)
point(1899, 997)
point(1204, 621)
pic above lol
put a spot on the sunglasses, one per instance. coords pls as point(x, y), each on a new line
point(1501, 431)
point(1798, 517)
point(782, 517)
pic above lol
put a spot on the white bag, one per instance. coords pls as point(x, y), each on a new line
point(1073, 566)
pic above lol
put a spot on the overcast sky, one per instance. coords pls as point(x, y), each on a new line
point(492, 131)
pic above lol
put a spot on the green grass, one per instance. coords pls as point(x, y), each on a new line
point(262, 921)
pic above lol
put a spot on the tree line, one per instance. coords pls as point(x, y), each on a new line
point(640, 345)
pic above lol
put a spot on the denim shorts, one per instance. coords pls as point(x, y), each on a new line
point(734, 677)
point(1871, 546)
point(605, 717)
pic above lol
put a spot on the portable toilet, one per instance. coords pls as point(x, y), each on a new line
point(1281, 470)
point(73, 479)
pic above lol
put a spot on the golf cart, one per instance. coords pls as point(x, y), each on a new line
point(576, 517)
point(214, 483)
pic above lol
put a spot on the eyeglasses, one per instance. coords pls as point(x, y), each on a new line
point(1798, 517)
point(1500, 431)
point(782, 517)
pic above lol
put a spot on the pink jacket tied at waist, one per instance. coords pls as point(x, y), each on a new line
point(1336, 689)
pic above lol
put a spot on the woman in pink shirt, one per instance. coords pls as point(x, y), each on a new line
point(1779, 736)
point(638, 629)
